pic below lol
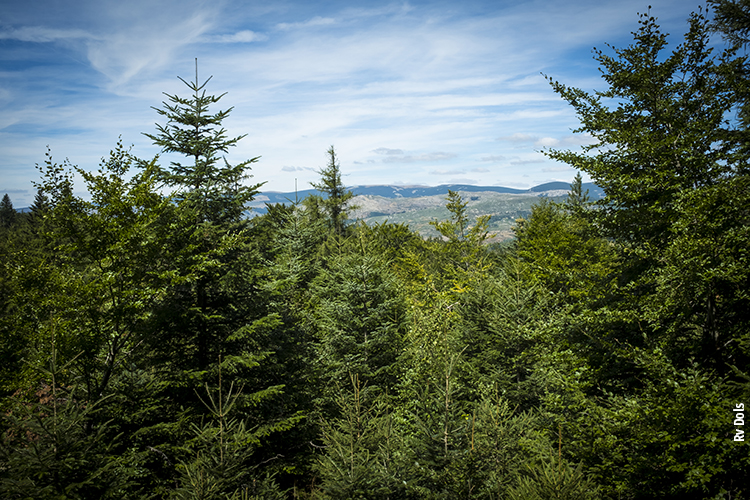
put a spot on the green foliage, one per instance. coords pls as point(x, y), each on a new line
point(336, 203)
point(112, 257)
point(220, 452)
point(554, 478)
point(8, 214)
point(661, 136)
point(598, 356)
point(502, 321)
point(212, 192)
point(362, 448)
point(359, 317)
point(56, 445)
point(731, 19)
point(561, 250)
point(457, 228)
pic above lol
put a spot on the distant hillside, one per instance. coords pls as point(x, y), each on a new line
point(418, 205)
point(548, 189)
point(504, 209)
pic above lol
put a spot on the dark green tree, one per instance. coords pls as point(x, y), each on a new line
point(664, 147)
point(209, 241)
point(214, 192)
point(661, 138)
point(732, 19)
point(41, 205)
point(336, 202)
point(55, 443)
point(665, 334)
point(8, 214)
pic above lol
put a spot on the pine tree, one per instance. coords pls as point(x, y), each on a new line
point(336, 202)
point(8, 214)
point(215, 193)
point(576, 197)
point(40, 206)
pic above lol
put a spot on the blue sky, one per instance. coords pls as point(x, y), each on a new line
point(414, 92)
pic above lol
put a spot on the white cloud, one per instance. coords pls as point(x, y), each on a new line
point(287, 168)
point(436, 156)
point(547, 142)
point(146, 46)
point(462, 180)
point(451, 84)
point(480, 170)
point(244, 36)
point(527, 161)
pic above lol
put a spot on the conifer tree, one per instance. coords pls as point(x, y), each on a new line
point(732, 19)
point(215, 193)
point(7, 212)
point(576, 197)
point(211, 199)
point(336, 203)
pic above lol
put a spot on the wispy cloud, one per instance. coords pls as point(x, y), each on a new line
point(549, 142)
point(427, 157)
point(287, 168)
point(565, 168)
point(462, 180)
point(244, 36)
point(446, 89)
point(314, 22)
point(40, 34)
point(447, 172)
point(517, 138)
point(527, 161)
point(388, 151)
point(144, 45)
point(493, 158)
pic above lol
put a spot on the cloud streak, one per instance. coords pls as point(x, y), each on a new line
point(40, 34)
point(310, 23)
point(243, 36)
point(427, 157)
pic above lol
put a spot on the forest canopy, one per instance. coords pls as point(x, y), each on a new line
point(167, 346)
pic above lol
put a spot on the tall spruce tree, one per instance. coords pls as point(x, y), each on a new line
point(211, 199)
point(215, 193)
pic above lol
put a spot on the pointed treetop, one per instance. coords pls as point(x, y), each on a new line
point(215, 192)
point(7, 212)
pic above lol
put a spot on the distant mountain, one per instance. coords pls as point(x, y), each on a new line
point(549, 189)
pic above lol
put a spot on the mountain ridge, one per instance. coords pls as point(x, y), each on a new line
point(416, 191)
